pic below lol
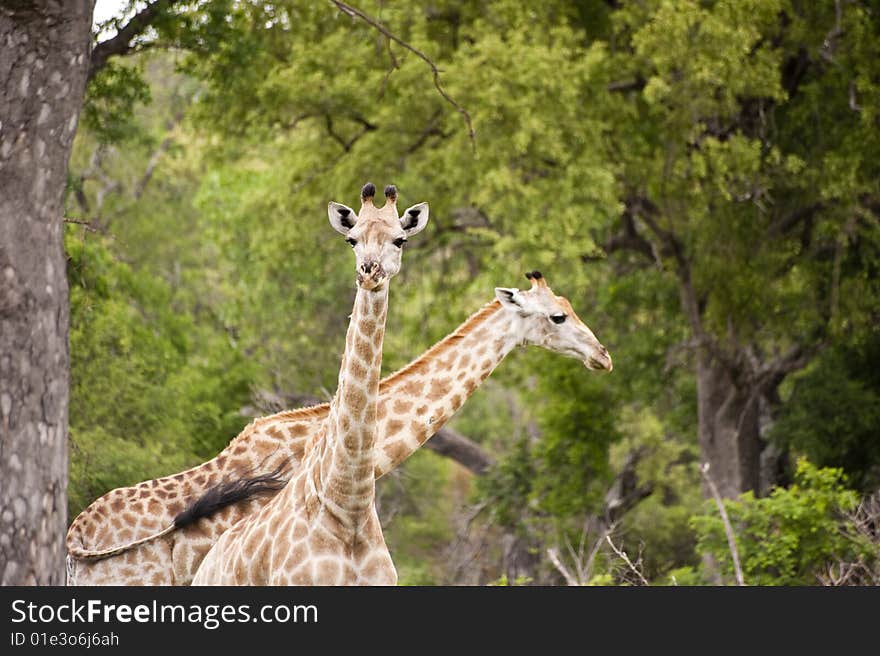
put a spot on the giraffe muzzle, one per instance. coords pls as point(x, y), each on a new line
point(600, 361)
point(370, 274)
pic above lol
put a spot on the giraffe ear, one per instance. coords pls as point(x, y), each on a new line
point(342, 217)
point(509, 297)
point(414, 219)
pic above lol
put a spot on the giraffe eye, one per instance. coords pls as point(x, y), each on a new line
point(399, 242)
point(351, 241)
point(557, 318)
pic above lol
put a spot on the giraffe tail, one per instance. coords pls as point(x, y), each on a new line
point(71, 570)
point(97, 554)
point(232, 491)
point(216, 498)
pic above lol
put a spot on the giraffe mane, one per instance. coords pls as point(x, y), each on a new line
point(299, 414)
point(421, 364)
point(414, 367)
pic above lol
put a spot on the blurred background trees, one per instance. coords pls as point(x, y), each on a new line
point(699, 179)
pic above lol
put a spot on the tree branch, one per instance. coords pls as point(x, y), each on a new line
point(783, 225)
point(452, 444)
point(354, 12)
point(728, 529)
point(771, 375)
point(395, 65)
point(85, 224)
point(348, 145)
point(553, 555)
point(625, 491)
point(123, 42)
point(690, 302)
point(630, 85)
point(629, 237)
point(625, 558)
point(432, 130)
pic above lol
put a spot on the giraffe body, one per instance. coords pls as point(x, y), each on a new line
point(322, 528)
point(414, 403)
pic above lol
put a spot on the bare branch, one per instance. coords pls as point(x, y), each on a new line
point(829, 45)
point(797, 357)
point(863, 527)
point(630, 85)
point(349, 144)
point(728, 529)
point(357, 13)
point(452, 444)
point(625, 558)
point(85, 224)
point(395, 65)
point(431, 130)
point(553, 555)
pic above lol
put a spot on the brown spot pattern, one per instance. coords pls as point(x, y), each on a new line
point(439, 388)
point(396, 451)
point(298, 430)
point(355, 399)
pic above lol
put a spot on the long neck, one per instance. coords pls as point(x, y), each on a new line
point(346, 465)
point(419, 399)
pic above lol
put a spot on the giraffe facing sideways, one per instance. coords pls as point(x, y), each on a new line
point(129, 536)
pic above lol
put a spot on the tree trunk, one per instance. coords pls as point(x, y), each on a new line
point(729, 429)
point(44, 58)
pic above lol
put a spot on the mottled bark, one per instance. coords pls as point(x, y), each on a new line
point(44, 58)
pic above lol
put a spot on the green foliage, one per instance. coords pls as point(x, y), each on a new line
point(509, 484)
point(503, 581)
point(833, 412)
point(659, 526)
point(151, 393)
point(789, 537)
point(571, 458)
point(112, 97)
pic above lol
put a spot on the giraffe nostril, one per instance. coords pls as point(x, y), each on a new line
point(367, 267)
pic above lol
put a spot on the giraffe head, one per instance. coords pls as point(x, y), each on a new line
point(377, 234)
point(542, 318)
